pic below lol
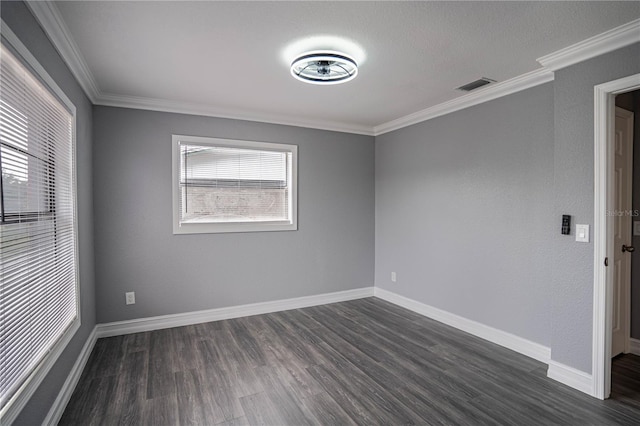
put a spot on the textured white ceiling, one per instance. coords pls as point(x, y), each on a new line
point(232, 56)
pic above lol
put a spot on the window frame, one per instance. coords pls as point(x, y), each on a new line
point(226, 227)
point(10, 411)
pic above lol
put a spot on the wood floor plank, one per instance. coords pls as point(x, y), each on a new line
point(305, 353)
point(240, 421)
point(627, 363)
point(184, 349)
point(90, 403)
point(349, 332)
point(219, 390)
point(309, 331)
point(439, 408)
point(326, 410)
point(247, 343)
point(381, 403)
point(407, 349)
point(161, 368)
point(359, 362)
point(391, 317)
point(442, 333)
point(190, 402)
point(209, 357)
point(302, 321)
point(345, 353)
point(106, 358)
point(288, 401)
point(131, 389)
point(161, 411)
point(235, 363)
point(274, 341)
point(136, 342)
point(294, 373)
point(387, 307)
point(260, 410)
point(349, 402)
point(487, 407)
point(380, 349)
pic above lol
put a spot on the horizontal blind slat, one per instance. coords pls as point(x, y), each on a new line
point(38, 288)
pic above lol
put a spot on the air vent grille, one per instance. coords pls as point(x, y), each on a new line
point(476, 84)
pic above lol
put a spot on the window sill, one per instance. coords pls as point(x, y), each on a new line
point(218, 228)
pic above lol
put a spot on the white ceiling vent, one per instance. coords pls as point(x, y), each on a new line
point(476, 84)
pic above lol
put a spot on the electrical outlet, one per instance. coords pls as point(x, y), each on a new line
point(394, 278)
point(130, 297)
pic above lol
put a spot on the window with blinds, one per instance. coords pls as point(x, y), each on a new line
point(223, 185)
point(38, 289)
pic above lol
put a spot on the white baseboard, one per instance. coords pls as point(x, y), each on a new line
point(56, 410)
point(499, 337)
point(197, 317)
point(634, 346)
point(571, 377)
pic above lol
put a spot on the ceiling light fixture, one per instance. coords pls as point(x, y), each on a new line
point(324, 67)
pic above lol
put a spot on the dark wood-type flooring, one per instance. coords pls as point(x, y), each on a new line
point(359, 362)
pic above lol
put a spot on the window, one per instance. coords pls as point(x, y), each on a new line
point(38, 288)
point(222, 185)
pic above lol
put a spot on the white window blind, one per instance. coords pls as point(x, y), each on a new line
point(38, 292)
point(229, 184)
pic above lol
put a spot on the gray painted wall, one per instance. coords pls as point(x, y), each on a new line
point(464, 187)
point(464, 212)
point(631, 102)
point(20, 20)
point(572, 293)
point(136, 250)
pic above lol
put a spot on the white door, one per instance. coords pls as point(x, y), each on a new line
point(622, 231)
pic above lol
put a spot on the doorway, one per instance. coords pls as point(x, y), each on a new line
point(623, 217)
point(609, 264)
point(625, 367)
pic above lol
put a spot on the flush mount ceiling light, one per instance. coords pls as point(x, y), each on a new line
point(324, 67)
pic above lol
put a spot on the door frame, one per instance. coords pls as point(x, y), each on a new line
point(604, 189)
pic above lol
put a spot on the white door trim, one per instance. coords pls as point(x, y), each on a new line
point(604, 110)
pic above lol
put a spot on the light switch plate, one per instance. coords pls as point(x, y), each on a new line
point(636, 227)
point(582, 233)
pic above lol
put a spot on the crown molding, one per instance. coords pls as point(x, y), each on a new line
point(49, 18)
point(153, 104)
point(490, 92)
point(608, 41)
point(53, 24)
